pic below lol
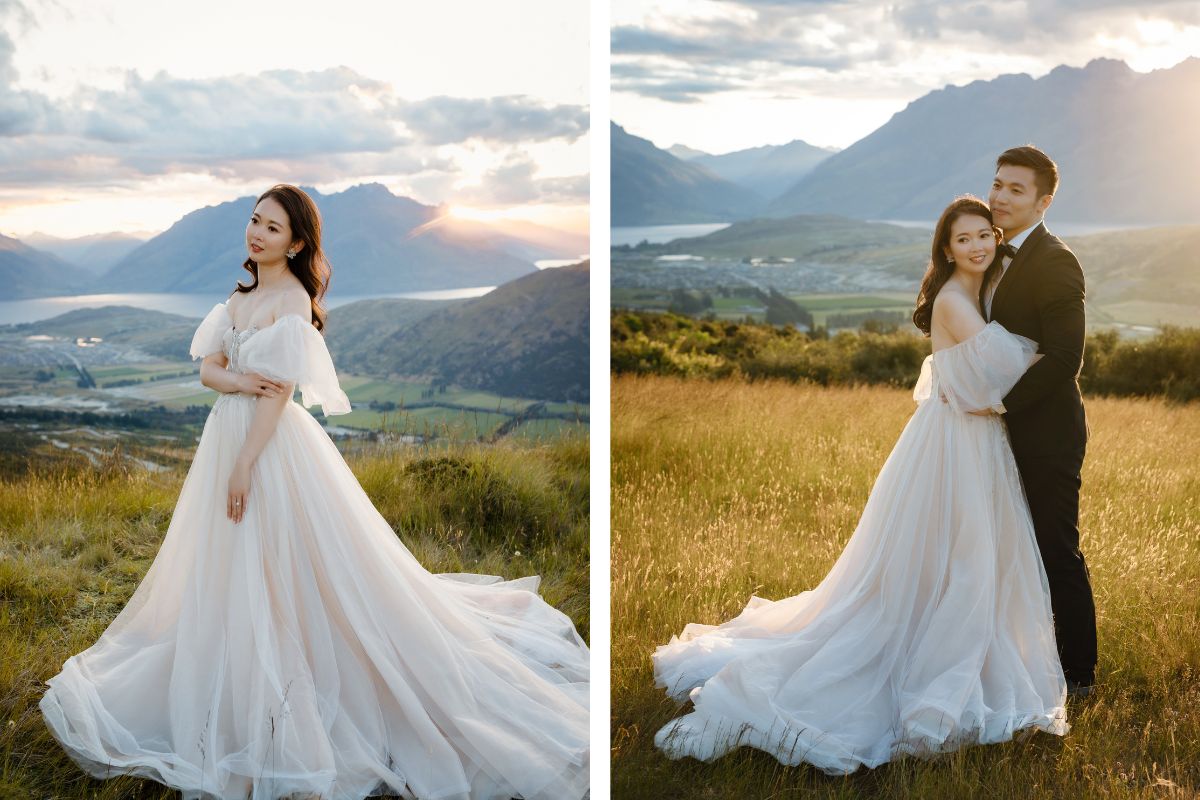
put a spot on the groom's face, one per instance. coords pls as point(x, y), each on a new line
point(1014, 199)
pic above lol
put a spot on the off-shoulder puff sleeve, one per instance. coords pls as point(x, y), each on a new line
point(208, 337)
point(293, 351)
point(978, 372)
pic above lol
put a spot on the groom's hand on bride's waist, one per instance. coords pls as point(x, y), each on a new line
point(980, 412)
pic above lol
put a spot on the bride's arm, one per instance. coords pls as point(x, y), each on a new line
point(267, 411)
point(214, 375)
point(961, 320)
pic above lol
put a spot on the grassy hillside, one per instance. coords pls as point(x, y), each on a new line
point(1145, 276)
point(1157, 264)
point(820, 238)
point(75, 544)
point(723, 489)
point(526, 338)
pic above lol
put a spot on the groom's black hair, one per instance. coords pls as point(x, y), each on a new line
point(1045, 171)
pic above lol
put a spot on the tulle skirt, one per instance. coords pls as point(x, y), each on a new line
point(932, 630)
point(305, 651)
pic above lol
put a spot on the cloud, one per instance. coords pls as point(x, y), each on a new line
point(448, 120)
point(317, 126)
point(515, 182)
point(771, 46)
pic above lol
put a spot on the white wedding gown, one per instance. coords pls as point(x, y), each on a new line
point(931, 631)
point(304, 651)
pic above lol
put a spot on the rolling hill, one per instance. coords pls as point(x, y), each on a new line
point(835, 242)
point(1144, 276)
point(527, 338)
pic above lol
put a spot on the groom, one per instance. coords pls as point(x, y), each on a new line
point(1039, 294)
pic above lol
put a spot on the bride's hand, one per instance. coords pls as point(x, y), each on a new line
point(239, 490)
point(253, 383)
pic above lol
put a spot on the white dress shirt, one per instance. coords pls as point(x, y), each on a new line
point(1016, 242)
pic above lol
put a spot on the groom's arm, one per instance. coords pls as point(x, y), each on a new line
point(1060, 306)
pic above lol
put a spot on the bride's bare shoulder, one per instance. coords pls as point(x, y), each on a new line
point(955, 312)
point(954, 303)
point(294, 300)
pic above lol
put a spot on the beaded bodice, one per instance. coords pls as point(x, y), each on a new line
point(233, 341)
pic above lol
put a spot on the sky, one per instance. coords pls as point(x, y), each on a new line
point(723, 75)
point(124, 115)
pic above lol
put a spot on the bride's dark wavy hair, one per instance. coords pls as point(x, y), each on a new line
point(940, 269)
point(309, 265)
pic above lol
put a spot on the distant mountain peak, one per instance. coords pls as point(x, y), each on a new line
point(685, 152)
point(650, 186)
point(374, 187)
point(1122, 140)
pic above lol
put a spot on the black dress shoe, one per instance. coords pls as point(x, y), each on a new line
point(1078, 690)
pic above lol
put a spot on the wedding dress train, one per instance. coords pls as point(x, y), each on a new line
point(931, 631)
point(305, 651)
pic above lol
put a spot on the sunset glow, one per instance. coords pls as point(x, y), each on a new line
point(830, 72)
point(115, 130)
point(573, 219)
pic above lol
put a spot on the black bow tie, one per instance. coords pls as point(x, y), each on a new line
point(1007, 249)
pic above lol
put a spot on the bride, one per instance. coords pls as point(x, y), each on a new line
point(285, 643)
point(933, 629)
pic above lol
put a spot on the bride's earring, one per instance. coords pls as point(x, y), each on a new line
point(291, 253)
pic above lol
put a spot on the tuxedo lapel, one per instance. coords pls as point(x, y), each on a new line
point(1024, 254)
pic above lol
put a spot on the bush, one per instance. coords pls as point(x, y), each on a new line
point(1167, 364)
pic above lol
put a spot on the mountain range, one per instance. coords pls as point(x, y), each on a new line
point(652, 187)
point(28, 272)
point(377, 242)
point(96, 253)
point(1124, 142)
point(768, 170)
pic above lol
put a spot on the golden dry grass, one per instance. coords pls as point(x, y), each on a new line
point(75, 543)
point(723, 489)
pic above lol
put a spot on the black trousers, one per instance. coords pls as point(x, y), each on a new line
point(1052, 488)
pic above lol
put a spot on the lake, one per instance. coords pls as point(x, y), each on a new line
point(657, 234)
point(189, 305)
point(1057, 228)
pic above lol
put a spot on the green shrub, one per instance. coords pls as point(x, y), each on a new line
point(645, 343)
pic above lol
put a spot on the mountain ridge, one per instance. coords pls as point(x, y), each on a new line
point(650, 186)
point(1139, 171)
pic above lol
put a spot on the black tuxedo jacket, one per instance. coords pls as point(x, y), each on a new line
point(1041, 297)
